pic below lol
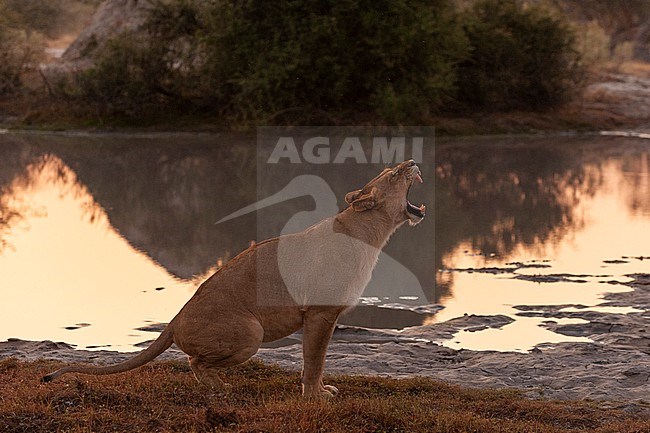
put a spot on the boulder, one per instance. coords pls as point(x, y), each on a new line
point(111, 18)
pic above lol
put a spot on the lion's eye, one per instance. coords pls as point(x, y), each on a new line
point(394, 173)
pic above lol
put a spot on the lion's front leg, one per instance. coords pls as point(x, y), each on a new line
point(318, 326)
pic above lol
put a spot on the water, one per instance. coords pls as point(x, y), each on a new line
point(104, 235)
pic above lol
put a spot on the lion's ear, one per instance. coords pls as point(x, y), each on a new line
point(352, 196)
point(362, 202)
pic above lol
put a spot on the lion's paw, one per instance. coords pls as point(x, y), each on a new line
point(331, 389)
point(319, 393)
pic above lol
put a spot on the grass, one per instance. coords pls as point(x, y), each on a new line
point(164, 397)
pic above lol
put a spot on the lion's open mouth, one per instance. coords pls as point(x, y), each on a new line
point(415, 213)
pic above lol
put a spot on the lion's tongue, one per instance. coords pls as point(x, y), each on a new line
point(413, 210)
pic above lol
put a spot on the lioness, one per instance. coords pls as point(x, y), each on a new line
point(274, 288)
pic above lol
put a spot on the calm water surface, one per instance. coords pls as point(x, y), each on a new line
point(104, 235)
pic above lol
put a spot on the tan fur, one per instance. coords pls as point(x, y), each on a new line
point(274, 288)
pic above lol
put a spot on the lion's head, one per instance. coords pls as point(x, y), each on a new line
point(388, 193)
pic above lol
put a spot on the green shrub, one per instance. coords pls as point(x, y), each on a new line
point(623, 52)
point(157, 69)
point(393, 59)
point(19, 50)
point(127, 76)
point(287, 60)
point(593, 43)
point(596, 47)
point(521, 58)
point(336, 61)
point(24, 24)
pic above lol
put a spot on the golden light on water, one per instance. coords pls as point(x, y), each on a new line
point(64, 265)
point(611, 231)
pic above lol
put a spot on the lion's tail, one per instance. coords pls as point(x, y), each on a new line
point(162, 343)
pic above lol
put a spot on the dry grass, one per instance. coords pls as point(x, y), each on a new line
point(164, 397)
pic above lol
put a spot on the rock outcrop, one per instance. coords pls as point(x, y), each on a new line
point(112, 18)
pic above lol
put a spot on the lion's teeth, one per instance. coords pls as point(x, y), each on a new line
point(419, 178)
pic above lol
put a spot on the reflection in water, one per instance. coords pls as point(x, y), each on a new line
point(520, 335)
point(164, 195)
point(91, 226)
point(636, 183)
point(568, 205)
point(497, 199)
point(66, 267)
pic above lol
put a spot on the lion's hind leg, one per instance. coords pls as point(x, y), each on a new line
point(207, 374)
point(229, 349)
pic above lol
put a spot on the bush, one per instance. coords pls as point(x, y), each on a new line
point(336, 61)
point(126, 76)
point(24, 24)
point(394, 59)
point(135, 73)
point(19, 50)
point(597, 50)
point(593, 43)
point(521, 58)
point(287, 60)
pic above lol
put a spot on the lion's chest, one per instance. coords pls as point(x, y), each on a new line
point(321, 267)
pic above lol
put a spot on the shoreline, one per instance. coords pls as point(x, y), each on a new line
point(613, 369)
point(616, 99)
